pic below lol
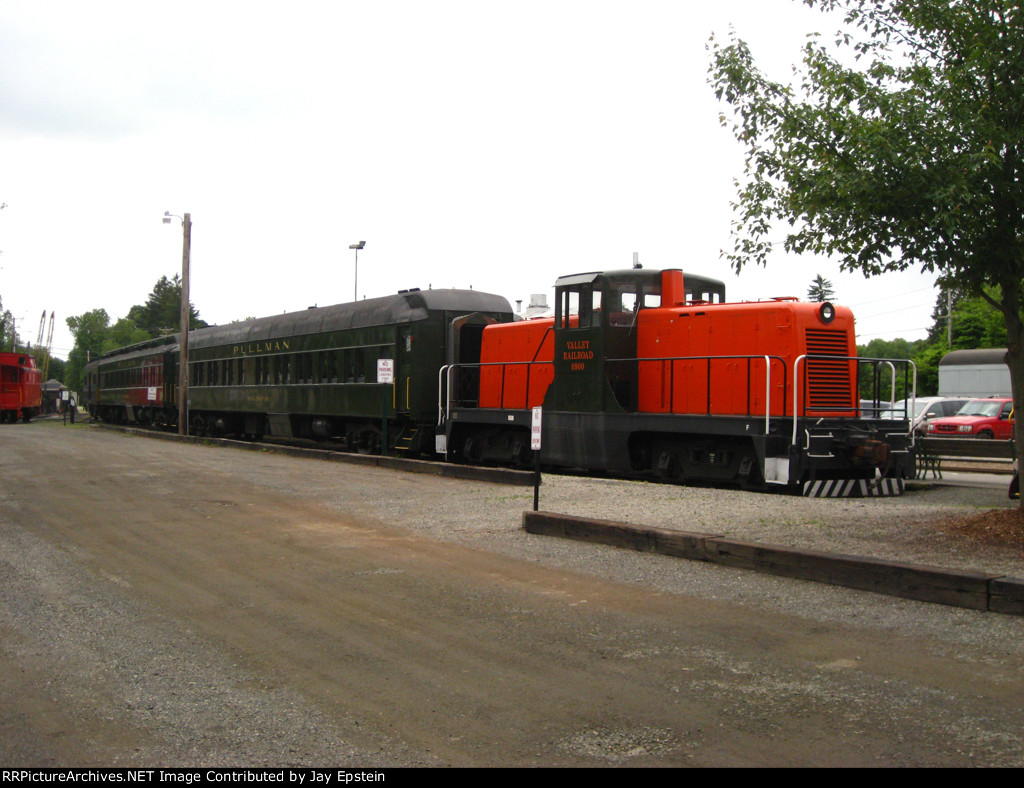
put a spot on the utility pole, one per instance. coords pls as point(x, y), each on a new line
point(186, 250)
point(949, 318)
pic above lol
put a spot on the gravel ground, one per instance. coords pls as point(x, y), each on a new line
point(914, 528)
point(99, 670)
point(923, 526)
point(917, 527)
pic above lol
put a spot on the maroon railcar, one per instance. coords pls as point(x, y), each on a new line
point(21, 387)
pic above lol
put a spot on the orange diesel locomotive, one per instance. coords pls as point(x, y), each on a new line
point(643, 371)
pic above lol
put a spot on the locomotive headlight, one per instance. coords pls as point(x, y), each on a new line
point(827, 312)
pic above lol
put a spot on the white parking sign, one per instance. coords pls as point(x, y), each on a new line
point(385, 370)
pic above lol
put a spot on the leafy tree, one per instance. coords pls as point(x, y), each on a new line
point(161, 314)
point(90, 331)
point(8, 330)
point(975, 322)
point(901, 146)
point(7, 336)
point(927, 362)
point(820, 290)
point(124, 332)
point(58, 368)
point(888, 348)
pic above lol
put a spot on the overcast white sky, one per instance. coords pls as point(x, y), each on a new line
point(479, 143)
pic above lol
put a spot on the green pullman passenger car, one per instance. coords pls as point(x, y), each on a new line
point(310, 374)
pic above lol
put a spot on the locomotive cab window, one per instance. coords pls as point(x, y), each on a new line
point(702, 290)
point(627, 297)
point(582, 303)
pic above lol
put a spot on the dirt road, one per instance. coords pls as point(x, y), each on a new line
point(167, 604)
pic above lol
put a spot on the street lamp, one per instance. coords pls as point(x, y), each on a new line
point(186, 250)
point(357, 247)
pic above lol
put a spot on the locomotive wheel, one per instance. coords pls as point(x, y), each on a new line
point(198, 426)
point(522, 456)
point(367, 441)
point(470, 450)
point(667, 465)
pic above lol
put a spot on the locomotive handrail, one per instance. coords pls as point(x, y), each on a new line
point(445, 378)
point(859, 360)
point(442, 414)
point(445, 382)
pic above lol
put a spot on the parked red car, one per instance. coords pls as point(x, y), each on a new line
point(979, 418)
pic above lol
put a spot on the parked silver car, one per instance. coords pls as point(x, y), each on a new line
point(926, 408)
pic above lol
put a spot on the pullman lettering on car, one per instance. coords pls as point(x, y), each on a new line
point(254, 348)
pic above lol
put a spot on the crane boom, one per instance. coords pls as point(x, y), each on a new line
point(49, 344)
point(39, 336)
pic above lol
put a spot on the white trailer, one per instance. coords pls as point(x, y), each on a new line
point(974, 373)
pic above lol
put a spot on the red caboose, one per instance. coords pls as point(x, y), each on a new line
point(21, 387)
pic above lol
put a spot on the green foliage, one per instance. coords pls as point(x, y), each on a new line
point(889, 348)
point(58, 369)
point(927, 360)
point(124, 332)
point(7, 336)
point(901, 144)
point(90, 332)
point(912, 156)
point(8, 330)
point(886, 349)
point(161, 314)
point(820, 290)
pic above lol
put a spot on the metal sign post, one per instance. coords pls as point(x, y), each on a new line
point(385, 375)
point(535, 433)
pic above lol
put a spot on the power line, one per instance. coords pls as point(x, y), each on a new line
point(892, 331)
point(889, 298)
point(860, 315)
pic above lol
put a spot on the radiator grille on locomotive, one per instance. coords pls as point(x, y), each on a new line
point(828, 381)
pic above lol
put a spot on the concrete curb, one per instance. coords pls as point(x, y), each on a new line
point(973, 590)
point(443, 469)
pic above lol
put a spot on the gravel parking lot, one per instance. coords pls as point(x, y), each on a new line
point(177, 604)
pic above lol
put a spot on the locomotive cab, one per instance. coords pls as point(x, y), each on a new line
point(597, 325)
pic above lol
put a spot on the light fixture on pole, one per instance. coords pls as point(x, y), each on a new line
point(357, 247)
point(186, 250)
